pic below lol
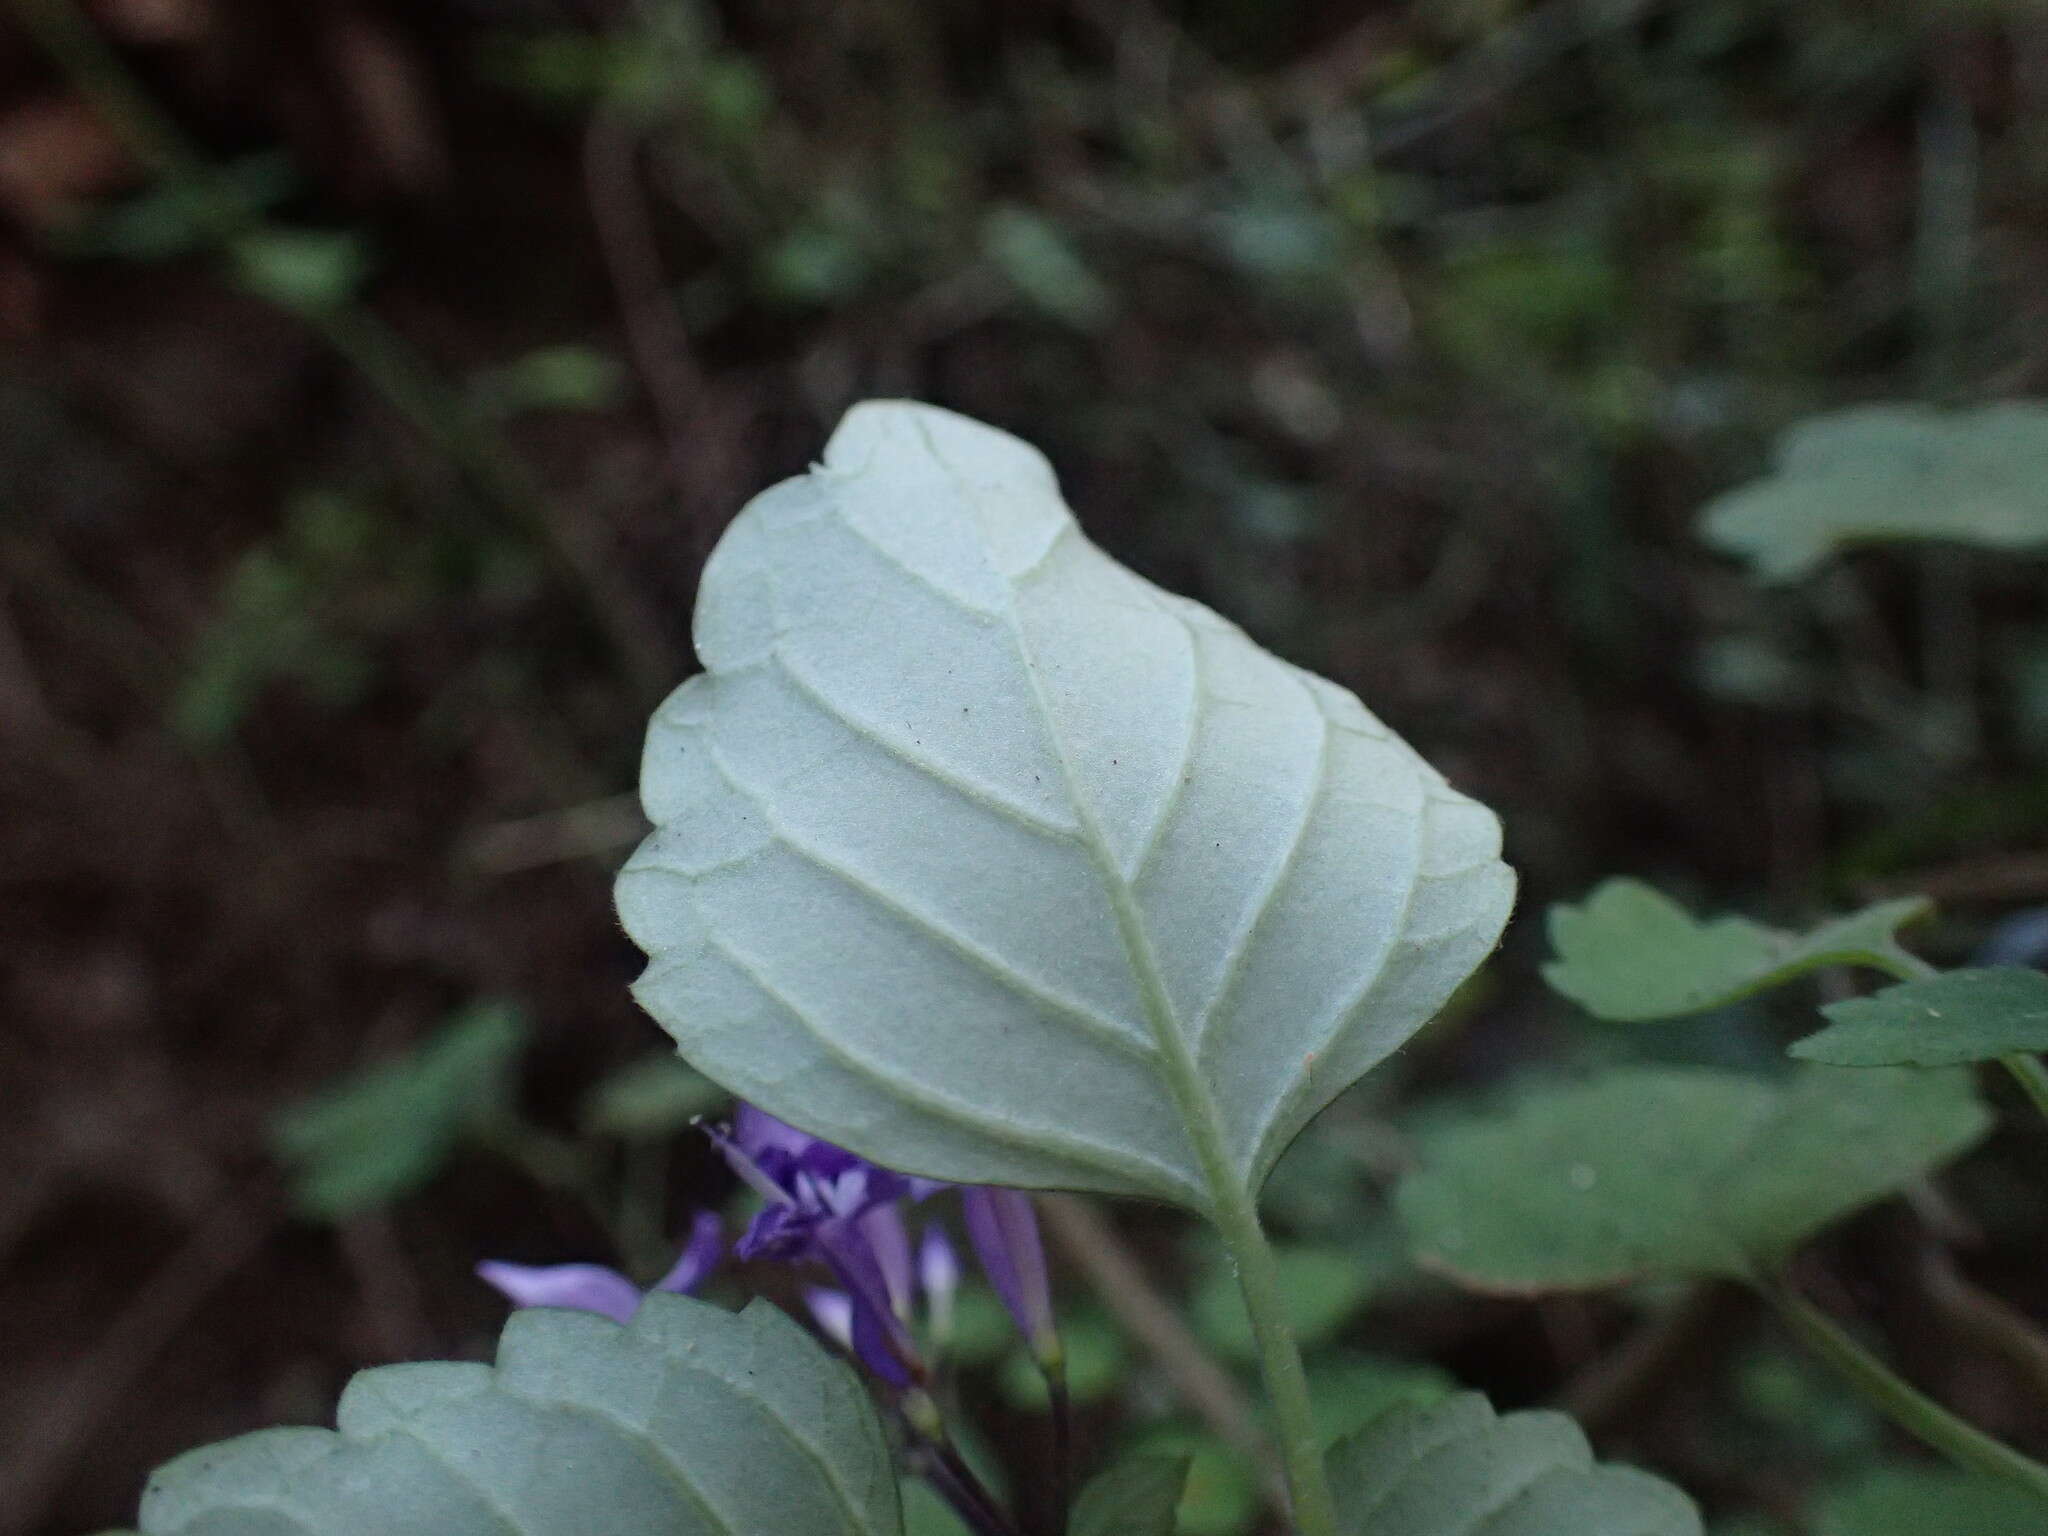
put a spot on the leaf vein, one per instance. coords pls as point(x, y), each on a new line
point(1075, 1013)
point(1124, 1165)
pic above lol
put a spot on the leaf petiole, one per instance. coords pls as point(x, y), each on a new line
point(1906, 1406)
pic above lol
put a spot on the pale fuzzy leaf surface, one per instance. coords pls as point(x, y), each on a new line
point(689, 1421)
point(1945, 1020)
point(1930, 1501)
point(1136, 1497)
point(988, 859)
point(1661, 1171)
point(1455, 1468)
point(1630, 954)
point(1882, 472)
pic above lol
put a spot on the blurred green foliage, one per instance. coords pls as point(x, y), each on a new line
point(381, 1133)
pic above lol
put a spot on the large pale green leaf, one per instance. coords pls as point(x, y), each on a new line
point(1673, 1172)
point(980, 855)
point(1456, 1469)
point(689, 1421)
point(1136, 1497)
point(1629, 953)
point(1930, 1501)
point(1958, 1016)
point(378, 1134)
point(1879, 472)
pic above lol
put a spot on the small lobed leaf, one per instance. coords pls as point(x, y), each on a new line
point(689, 1421)
point(1136, 1497)
point(380, 1133)
point(1630, 954)
point(1939, 1021)
point(982, 856)
point(1883, 472)
point(1921, 1501)
point(1683, 1172)
point(1456, 1468)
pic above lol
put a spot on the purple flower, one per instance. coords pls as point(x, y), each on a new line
point(594, 1288)
point(828, 1206)
point(1003, 1227)
point(938, 1276)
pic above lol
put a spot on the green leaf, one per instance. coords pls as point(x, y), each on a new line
point(1941, 1021)
point(382, 1132)
point(1222, 1493)
point(1631, 954)
point(926, 1514)
point(1136, 1497)
point(1322, 1288)
point(1457, 1469)
point(646, 1100)
point(1037, 257)
point(1921, 1501)
point(980, 855)
point(689, 1421)
point(303, 270)
point(1348, 1390)
point(559, 378)
point(1673, 1172)
point(1881, 472)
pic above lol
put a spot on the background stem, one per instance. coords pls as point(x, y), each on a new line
point(1910, 1409)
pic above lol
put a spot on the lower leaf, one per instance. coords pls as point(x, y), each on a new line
point(1458, 1469)
point(689, 1421)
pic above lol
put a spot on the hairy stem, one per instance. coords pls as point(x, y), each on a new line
point(1910, 1409)
point(1237, 1218)
point(1234, 1210)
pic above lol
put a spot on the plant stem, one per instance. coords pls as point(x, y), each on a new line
point(1914, 1412)
point(1062, 1404)
point(2026, 1070)
point(1237, 1218)
point(1234, 1209)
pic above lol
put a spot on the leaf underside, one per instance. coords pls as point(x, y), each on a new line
point(1883, 472)
point(690, 1421)
point(982, 856)
point(1945, 1020)
point(1456, 1469)
point(1678, 1172)
point(1630, 954)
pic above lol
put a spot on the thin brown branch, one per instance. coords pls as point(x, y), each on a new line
point(1985, 1320)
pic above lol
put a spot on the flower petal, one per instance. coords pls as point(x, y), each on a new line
point(699, 1257)
point(574, 1287)
point(1003, 1227)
